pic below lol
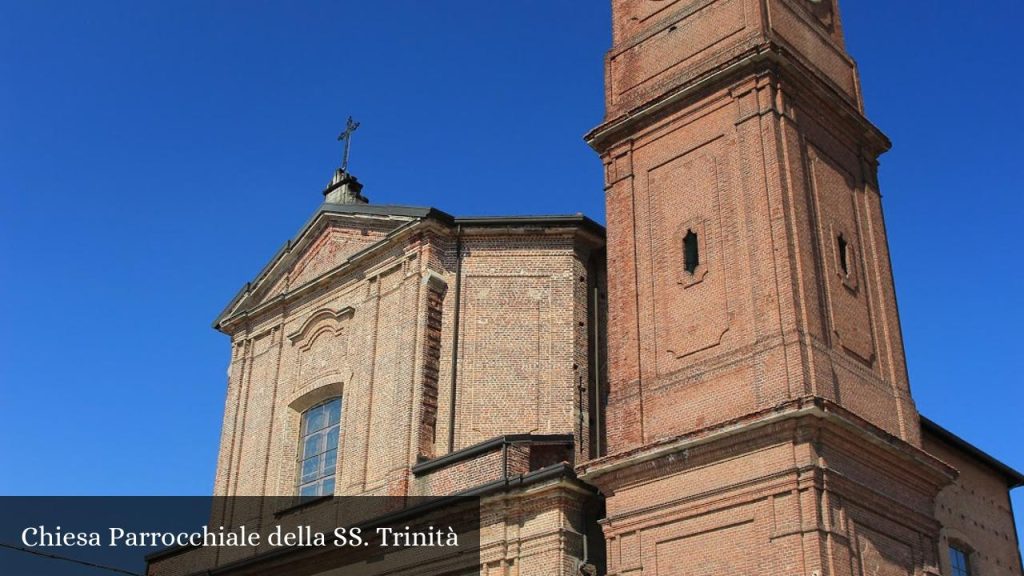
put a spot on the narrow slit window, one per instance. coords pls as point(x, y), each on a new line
point(844, 255)
point(691, 252)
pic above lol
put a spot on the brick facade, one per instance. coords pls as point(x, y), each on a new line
point(759, 413)
point(723, 385)
point(369, 303)
point(377, 328)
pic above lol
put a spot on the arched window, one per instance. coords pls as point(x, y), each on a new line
point(318, 448)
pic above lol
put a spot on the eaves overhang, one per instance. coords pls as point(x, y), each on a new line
point(547, 220)
point(1014, 479)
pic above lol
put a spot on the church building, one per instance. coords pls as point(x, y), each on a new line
point(714, 385)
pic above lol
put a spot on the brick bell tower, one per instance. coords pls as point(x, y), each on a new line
point(759, 418)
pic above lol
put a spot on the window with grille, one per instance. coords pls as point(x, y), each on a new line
point(318, 450)
point(959, 562)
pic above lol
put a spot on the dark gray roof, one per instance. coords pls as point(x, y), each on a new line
point(577, 219)
point(1013, 477)
point(383, 210)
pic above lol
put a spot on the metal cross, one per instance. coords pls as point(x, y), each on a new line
point(350, 127)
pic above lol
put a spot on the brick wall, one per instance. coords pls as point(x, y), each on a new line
point(658, 46)
point(750, 414)
point(975, 512)
point(367, 307)
point(799, 494)
point(759, 415)
point(769, 183)
point(534, 529)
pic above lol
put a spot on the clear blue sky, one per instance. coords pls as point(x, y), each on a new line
point(154, 155)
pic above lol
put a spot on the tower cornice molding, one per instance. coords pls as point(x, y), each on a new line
point(627, 467)
point(739, 76)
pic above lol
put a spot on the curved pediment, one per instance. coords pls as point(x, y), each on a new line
point(322, 345)
point(318, 322)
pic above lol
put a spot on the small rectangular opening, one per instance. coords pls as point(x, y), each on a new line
point(844, 259)
point(691, 252)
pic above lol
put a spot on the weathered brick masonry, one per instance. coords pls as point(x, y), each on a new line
point(719, 390)
point(759, 415)
point(462, 349)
